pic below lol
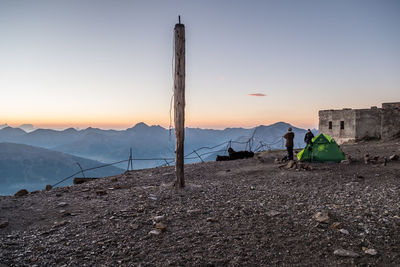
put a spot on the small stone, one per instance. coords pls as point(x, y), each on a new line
point(276, 161)
point(48, 187)
point(345, 161)
point(344, 231)
point(140, 209)
point(62, 204)
point(252, 188)
point(3, 224)
point(291, 164)
point(336, 225)
point(161, 227)
point(62, 223)
point(345, 253)
point(272, 213)
point(158, 218)
point(134, 226)
point(371, 251)
point(210, 219)
point(321, 217)
point(154, 232)
point(22, 192)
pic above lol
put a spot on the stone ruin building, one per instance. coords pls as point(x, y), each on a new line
point(359, 124)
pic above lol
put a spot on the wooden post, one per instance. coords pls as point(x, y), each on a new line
point(179, 102)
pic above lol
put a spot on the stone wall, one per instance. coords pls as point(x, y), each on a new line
point(391, 105)
point(390, 124)
point(368, 123)
point(358, 124)
point(347, 116)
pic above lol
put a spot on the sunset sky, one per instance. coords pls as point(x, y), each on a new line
point(108, 64)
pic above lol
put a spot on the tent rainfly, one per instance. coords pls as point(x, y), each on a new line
point(323, 149)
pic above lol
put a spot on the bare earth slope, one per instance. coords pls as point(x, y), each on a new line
point(231, 213)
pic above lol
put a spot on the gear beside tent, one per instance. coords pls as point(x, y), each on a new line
point(323, 149)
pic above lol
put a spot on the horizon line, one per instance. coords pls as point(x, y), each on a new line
point(166, 127)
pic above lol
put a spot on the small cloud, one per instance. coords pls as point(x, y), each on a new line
point(257, 94)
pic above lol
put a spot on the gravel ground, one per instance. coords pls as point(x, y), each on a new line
point(243, 212)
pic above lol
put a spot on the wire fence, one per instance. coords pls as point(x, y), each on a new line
point(197, 154)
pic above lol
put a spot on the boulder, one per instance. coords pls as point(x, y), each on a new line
point(22, 192)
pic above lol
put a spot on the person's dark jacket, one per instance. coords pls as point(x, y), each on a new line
point(289, 136)
point(308, 137)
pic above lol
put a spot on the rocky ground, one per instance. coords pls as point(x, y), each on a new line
point(244, 212)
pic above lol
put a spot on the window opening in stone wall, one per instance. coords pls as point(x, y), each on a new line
point(330, 125)
point(341, 125)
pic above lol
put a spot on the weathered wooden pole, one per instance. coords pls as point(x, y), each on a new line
point(179, 102)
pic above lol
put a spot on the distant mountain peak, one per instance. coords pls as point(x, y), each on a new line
point(12, 130)
point(141, 125)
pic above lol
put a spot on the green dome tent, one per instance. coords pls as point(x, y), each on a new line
point(323, 149)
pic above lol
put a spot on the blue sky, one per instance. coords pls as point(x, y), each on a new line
point(108, 64)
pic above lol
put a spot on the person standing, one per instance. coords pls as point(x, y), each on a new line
point(308, 137)
point(289, 136)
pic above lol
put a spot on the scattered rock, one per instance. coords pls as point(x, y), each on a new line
point(336, 225)
point(321, 217)
point(140, 209)
point(158, 218)
point(344, 231)
point(153, 197)
point(210, 219)
point(155, 232)
point(134, 226)
point(22, 192)
point(394, 157)
point(252, 188)
point(345, 253)
point(371, 252)
point(62, 223)
point(291, 164)
point(62, 204)
point(277, 161)
point(272, 213)
point(345, 161)
point(161, 227)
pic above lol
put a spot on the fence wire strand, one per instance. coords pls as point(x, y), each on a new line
point(167, 161)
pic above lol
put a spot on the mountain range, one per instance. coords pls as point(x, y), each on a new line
point(147, 142)
point(32, 168)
